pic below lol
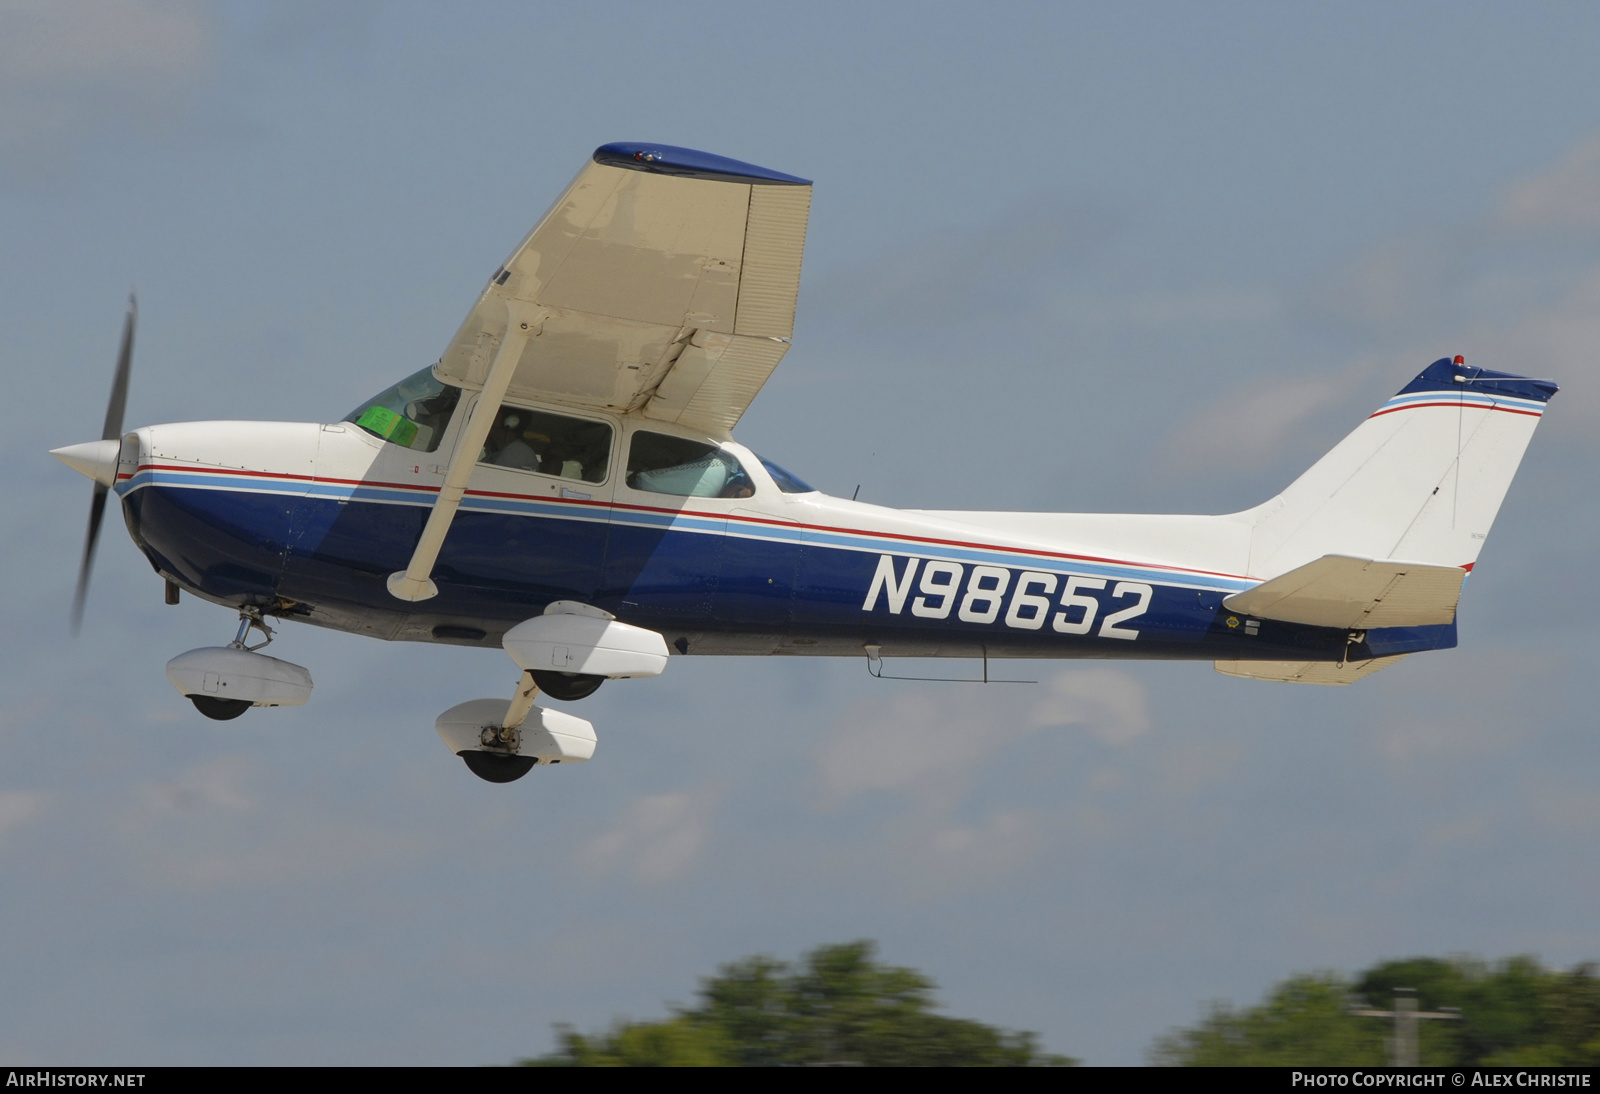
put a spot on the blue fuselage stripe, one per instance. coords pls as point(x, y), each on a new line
point(329, 547)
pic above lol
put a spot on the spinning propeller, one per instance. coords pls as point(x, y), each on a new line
point(98, 460)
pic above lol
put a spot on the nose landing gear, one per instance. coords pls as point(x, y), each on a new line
point(225, 681)
point(219, 710)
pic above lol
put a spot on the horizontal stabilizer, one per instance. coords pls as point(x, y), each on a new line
point(1356, 594)
point(1306, 672)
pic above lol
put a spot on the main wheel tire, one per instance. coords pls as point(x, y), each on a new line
point(220, 709)
point(495, 768)
point(568, 687)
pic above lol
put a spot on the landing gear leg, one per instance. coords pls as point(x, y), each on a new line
point(250, 617)
point(496, 760)
point(216, 707)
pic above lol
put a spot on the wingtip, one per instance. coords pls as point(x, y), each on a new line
point(671, 159)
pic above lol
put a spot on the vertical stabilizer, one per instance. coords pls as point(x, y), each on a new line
point(1420, 480)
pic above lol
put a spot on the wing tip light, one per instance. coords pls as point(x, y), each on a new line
point(668, 159)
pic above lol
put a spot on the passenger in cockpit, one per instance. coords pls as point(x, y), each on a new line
point(507, 445)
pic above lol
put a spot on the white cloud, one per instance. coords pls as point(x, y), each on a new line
point(211, 827)
point(1561, 341)
point(914, 738)
point(67, 65)
point(962, 853)
point(1407, 283)
point(1566, 197)
point(656, 839)
point(926, 743)
point(1471, 714)
point(19, 806)
point(1108, 703)
point(209, 787)
point(1258, 420)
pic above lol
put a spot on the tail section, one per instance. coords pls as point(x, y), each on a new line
point(1420, 480)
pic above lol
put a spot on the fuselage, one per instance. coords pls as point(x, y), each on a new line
point(306, 521)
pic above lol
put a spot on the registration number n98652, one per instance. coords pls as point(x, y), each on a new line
point(1028, 600)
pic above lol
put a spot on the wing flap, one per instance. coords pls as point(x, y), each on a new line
point(775, 238)
point(1306, 672)
point(714, 379)
point(1356, 594)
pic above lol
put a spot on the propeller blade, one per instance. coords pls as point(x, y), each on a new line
point(97, 510)
point(119, 384)
point(110, 432)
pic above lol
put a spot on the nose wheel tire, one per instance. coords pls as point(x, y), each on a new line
point(567, 687)
point(495, 768)
point(221, 710)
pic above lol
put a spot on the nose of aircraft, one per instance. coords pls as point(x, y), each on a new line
point(96, 459)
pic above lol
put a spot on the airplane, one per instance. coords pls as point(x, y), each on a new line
point(563, 483)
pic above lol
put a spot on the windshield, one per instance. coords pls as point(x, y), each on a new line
point(412, 414)
point(789, 484)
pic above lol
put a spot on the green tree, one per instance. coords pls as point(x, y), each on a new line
point(1513, 1013)
point(676, 1042)
point(839, 1006)
point(1305, 1021)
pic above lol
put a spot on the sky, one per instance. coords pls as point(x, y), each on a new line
point(1064, 257)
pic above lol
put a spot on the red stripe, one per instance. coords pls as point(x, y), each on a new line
point(863, 532)
point(209, 470)
point(1460, 406)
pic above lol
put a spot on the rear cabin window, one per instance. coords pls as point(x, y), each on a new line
point(551, 444)
point(689, 469)
point(412, 414)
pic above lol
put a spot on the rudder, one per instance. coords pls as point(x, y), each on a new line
point(1421, 479)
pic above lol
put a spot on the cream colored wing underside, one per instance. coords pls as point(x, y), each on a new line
point(1306, 672)
point(660, 294)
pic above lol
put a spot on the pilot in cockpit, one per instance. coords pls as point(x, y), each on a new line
point(433, 411)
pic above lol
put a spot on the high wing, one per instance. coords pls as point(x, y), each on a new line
point(662, 281)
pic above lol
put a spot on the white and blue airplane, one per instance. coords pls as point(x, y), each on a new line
point(564, 483)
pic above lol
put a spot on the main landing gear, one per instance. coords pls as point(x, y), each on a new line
point(567, 687)
point(500, 742)
point(225, 681)
point(567, 653)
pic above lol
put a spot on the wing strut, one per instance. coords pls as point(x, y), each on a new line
point(415, 582)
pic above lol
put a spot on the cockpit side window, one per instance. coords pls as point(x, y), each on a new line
point(412, 414)
point(691, 469)
point(551, 444)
